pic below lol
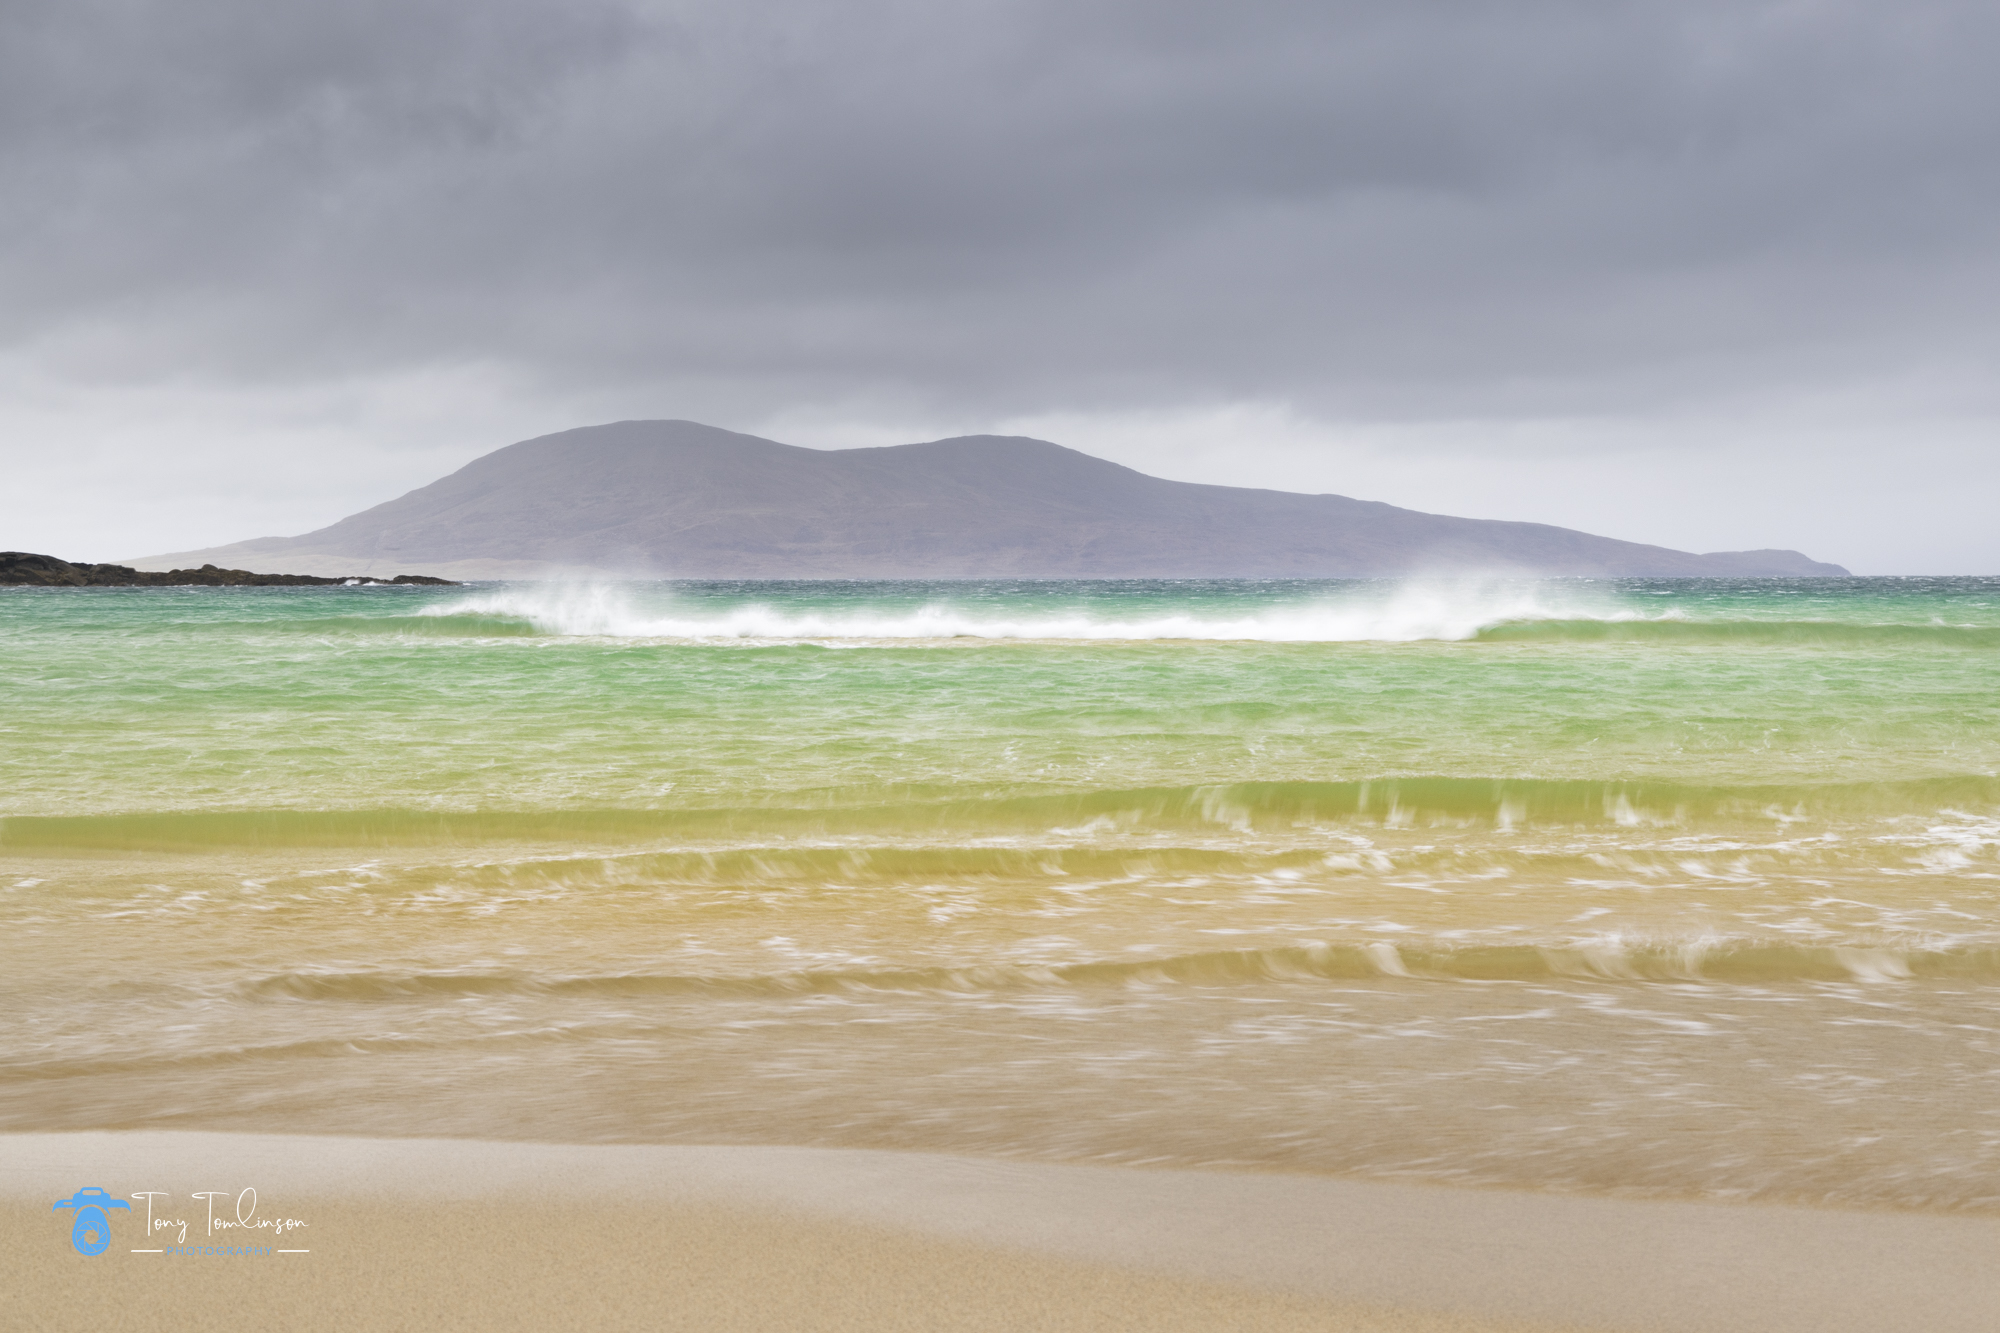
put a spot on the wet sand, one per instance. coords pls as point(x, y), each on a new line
point(470, 1234)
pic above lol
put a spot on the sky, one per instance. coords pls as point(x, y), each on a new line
point(1715, 274)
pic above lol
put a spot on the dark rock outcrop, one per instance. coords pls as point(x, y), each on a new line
point(46, 571)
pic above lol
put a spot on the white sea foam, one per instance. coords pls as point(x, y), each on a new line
point(1402, 613)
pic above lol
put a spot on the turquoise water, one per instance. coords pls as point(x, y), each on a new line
point(1686, 887)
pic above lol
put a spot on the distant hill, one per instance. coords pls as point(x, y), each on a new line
point(679, 499)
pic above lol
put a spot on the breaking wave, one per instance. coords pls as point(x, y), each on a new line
point(1739, 961)
point(1501, 613)
point(1399, 614)
point(1708, 960)
point(1749, 633)
point(906, 811)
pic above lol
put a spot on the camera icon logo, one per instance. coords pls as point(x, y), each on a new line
point(91, 1232)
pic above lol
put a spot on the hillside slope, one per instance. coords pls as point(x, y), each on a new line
point(675, 498)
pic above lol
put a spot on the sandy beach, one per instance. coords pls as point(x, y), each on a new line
point(468, 1234)
point(1392, 958)
point(1014, 667)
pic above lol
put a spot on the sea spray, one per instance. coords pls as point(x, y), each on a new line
point(1392, 612)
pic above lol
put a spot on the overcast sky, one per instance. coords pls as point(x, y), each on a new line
point(1710, 273)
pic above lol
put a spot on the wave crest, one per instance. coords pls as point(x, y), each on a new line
point(1242, 807)
point(1497, 612)
point(1732, 961)
point(1402, 613)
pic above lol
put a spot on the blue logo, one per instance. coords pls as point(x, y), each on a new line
point(91, 1233)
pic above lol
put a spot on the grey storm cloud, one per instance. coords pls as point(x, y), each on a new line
point(1369, 208)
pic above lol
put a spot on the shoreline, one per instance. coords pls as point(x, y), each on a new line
point(28, 569)
point(481, 1233)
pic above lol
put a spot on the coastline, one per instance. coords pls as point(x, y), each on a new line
point(29, 569)
point(470, 1233)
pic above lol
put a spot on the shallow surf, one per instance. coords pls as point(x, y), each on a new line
point(1680, 888)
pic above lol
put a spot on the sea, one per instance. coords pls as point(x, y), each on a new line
point(1675, 888)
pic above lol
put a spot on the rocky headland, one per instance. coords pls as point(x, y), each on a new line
point(46, 571)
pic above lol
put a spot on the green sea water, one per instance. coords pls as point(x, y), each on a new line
point(1677, 887)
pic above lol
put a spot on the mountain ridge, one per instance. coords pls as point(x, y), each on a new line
point(681, 499)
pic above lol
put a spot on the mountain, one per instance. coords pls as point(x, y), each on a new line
point(679, 499)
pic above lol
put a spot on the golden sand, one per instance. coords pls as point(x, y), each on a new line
point(522, 1263)
point(445, 1234)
